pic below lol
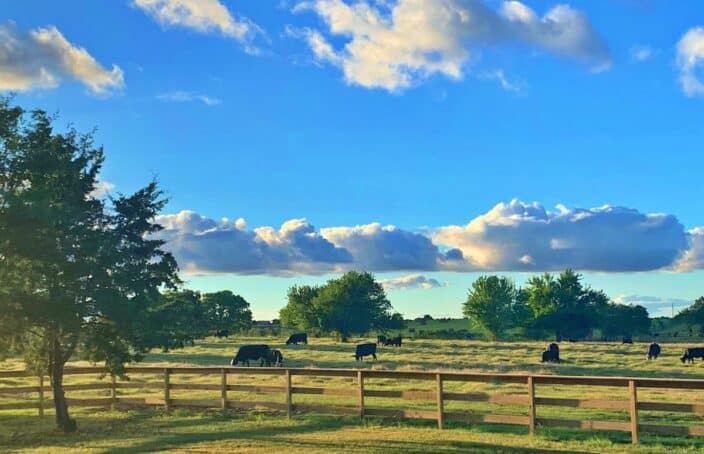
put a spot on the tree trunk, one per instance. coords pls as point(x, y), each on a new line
point(56, 366)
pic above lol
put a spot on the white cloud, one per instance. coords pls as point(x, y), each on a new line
point(690, 61)
point(204, 16)
point(513, 236)
point(519, 236)
point(640, 53)
point(43, 58)
point(657, 306)
point(203, 245)
point(394, 45)
point(693, 257)
point(387, 248)
point(187, 96)
point(102, 189)
point(412, 281)
point(499, 76)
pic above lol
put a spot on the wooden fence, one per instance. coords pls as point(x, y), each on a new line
point(437, 396)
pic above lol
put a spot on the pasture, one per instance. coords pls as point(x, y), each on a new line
point(263, 431)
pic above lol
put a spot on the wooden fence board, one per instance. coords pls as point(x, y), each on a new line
point(602, 404)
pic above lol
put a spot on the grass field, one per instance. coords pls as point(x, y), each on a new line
point(258, 431)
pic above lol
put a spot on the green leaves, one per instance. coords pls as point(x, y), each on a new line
point(492, 304)
point(353, 304)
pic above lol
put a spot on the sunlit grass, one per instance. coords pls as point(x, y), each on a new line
point(212, 430)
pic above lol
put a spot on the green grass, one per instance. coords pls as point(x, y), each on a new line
point(207, 431)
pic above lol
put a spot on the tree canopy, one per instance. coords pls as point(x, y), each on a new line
point(352, 304)
point(493, 304)
point(78, 274)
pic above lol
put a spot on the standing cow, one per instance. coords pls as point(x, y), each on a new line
point(248, 353)
point(381, 339)
point(692, 353)
point(653, 351)
point(275, 358)
point(393, 341)
point(552, 354)
point(363, 350)
point(627, 340)
point(298, 338)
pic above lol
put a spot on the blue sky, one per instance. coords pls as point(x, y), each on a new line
point(273, 111)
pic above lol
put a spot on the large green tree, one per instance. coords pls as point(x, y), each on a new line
point(492, 304)
point(225, 311)
point(352, 304)
point(694, 314)
point(78, 274)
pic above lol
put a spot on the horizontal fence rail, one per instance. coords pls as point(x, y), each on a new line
point(436, 395)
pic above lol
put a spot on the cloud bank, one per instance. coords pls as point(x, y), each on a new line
point(690, 62)
point(411, 281)
point(42, 58)
point(657, 306)
point(203, 16)
point(395, 44)
point(514, 236)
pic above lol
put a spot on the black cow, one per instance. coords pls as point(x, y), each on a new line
point(691, 354)
point(298, 338)
point(627, 340)
point(381, 340)
point(222, 333)
point(393, 341)
point(364, 350)
point(552, 354)
point(248, 353)
point(653, 351)
point(275, 358)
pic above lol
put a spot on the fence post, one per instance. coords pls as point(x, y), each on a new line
point(360, 383)
point(223, 388)
point(113, 392)
point(289, 400)
point(167, 390)
point(41, 396)
point(441, 407)
point(531, 405)
point(634, 410)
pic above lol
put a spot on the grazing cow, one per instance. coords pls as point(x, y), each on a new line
point(298, 338)
point(248, 353)
point(691, 354)
point(364, 350)
point(393, 341)
point(275, 358)
point(653, 351)
point(381, 340)
point(222, 333)
point(552, 354)
point(627, 340)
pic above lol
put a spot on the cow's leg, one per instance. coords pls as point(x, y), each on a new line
point(374, 356)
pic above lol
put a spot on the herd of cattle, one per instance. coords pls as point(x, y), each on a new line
point(272, 357)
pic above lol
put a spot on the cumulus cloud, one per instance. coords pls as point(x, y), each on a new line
point(690, 61)
point(513, 236)
point(43, 58)
point(394, 44)
point(203, 245)
point(412, 281)
point(203, 16)
point(693, 257)
point(387, 248)
point(187, 96)
point(518, 236)
point(657, 306)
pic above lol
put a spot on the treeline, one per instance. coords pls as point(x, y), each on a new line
point(551, 305)
point(353, 304)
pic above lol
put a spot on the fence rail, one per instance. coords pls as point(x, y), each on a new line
point(437, 396)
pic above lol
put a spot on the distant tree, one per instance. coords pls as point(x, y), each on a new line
point(179, 320)
point(226, 311)
point(623, 320)
point(490, 304)
point(694, 314)
point(299, 312)
point(563, 305)
point(395, 322)
point(352, 304)
point(78, 274)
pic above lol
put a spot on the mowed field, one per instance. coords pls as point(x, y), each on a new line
point(269, 431)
